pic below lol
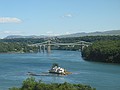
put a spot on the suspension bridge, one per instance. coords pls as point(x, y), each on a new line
point(46, 46)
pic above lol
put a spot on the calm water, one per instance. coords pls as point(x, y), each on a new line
point(14, 67)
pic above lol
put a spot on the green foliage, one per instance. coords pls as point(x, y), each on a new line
point(26, 41)
point(15, 47)
point(85, 38)
point(20, 44)
point(31, 84)
point(104, 51)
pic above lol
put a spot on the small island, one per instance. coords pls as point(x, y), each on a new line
point(56, 69)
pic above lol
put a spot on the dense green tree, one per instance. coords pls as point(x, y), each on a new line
point(20, 44)
point(104, 51)
point(15, 47)
point(62, 40)
point(32, 84)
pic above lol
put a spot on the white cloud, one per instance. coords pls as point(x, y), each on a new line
point(11, 32)
point(67, 33)
point(51, 33)
point(67, 15)
point(9, 20)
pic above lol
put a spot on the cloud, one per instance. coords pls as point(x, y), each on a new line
point(67, 15)
point(9, 20)
point(11, 32)
point(67, 33)
point(51, 33)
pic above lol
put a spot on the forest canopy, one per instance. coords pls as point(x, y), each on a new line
point(103, 51)
point(32, 84)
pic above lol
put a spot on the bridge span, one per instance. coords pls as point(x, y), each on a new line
point(47, 45)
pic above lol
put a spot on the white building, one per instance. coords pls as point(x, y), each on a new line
point(58, 70)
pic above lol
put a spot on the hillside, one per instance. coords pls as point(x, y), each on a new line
point(103, 51)
point(112, 32)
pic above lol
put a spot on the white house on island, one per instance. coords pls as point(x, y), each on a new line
point(57, 70)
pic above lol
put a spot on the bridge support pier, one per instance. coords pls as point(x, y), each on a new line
point(43, 48)
point(82, 46)
point(48, 47)
point(40, 49)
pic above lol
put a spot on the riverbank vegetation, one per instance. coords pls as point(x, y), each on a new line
point(87, 39)
point(32, 84)
point(21, 45)
point(103, 51)
point(62, 40)
point(16, 47)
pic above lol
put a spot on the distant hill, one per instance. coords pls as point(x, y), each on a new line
point(112, 32)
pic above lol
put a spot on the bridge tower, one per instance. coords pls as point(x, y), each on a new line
point(48, 46)
point(82, 46)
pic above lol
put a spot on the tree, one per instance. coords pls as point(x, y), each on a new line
point(103, 51)
point(31, 84)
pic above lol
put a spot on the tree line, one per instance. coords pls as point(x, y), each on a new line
point(32, 84)
point(62, 40)
point(16, 47)
point(21, 44)
point(103, 51)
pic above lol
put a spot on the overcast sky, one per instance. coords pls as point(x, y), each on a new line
point(56, 17)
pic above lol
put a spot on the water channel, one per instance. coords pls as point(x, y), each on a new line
point(14, 68)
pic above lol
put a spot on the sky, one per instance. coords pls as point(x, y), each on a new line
point(57, 17)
